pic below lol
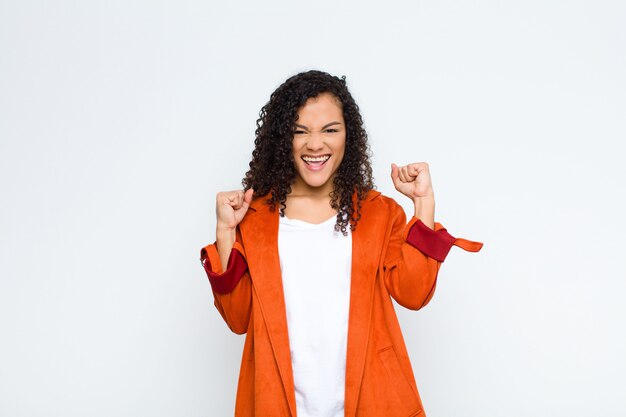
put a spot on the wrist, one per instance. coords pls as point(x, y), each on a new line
point(225, 231)
point(224, 227)
point(427, 198)
point(425, 210)
point(428, 201)
point(226, 236)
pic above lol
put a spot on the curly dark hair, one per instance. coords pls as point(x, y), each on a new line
point(272, 169)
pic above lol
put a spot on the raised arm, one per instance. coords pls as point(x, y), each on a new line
point(231, 286)
point(416, 250)
point(414, 255)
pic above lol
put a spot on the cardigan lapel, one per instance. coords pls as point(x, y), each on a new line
point(260, 238)
point(365, 249)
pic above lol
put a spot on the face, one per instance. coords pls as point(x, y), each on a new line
point(319, 143)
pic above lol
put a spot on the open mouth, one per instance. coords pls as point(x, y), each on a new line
point(316, 161)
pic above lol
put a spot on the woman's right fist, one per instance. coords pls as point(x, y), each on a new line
point(231, 207)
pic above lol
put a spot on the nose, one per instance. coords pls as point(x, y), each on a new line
point(315, 141)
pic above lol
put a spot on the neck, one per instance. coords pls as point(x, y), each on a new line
point(301, 189)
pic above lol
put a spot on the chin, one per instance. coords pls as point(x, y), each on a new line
point(314, 181)
point(316, 185)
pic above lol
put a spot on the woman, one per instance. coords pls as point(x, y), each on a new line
point(314, 255)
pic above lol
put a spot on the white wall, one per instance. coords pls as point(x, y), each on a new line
point(119, 121)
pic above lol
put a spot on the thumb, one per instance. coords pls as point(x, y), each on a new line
point(247, 198)
point(394, 175)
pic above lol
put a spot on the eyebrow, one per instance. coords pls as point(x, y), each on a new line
point(324, 127)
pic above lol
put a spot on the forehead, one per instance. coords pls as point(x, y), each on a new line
point(324, 106)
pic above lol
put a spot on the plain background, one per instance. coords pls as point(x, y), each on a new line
point(120, 120)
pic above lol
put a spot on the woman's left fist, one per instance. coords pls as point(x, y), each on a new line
point(413, 180)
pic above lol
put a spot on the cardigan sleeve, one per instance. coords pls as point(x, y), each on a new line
point(232, 288)
point(413, 258)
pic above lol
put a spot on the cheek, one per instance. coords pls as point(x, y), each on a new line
point(294, 149)
point(297, 145)
point(341, 148)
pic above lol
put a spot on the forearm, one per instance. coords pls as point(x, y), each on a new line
point(225, 240)
point(425, 210)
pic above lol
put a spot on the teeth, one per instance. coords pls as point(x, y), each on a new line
point(316, 159)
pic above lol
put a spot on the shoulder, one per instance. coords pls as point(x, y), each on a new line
point(383, 208)
point(380, 200)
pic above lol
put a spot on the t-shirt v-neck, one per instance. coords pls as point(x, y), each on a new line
point(305, 224)
point(315, 263)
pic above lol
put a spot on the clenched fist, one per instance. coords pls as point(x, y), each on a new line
point(412, 180)
point(231, 207)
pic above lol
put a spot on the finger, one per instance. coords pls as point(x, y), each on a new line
point(422, 167)
point(247, 198)
point(237, 200)
point(394, 174)
point(230, 201)
point(403, 174)
point(225, 198)
point(408, 175)
point(228, 198)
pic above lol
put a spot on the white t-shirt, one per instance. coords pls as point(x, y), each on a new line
point(316, 261)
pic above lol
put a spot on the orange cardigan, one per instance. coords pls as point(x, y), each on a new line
point(390, 258)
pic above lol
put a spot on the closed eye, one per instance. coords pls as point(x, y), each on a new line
point(332, 130)
point(298, 132)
